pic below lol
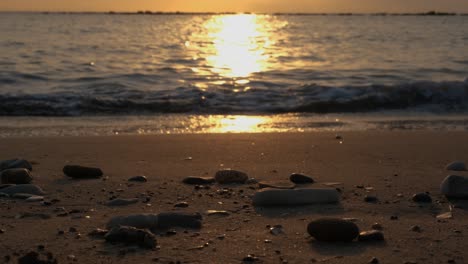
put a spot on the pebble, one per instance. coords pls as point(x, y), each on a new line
point(250, 259)
point(217, 213)
point(181, 205)
point(445, 216)
point(132, 235)
point(416, 229)
point(377, 226)
point(140, 178)
point(278, 197)
point(369, 236)
point(122, 202)
point(374, 260)
point(81, 172)
point(15, 164)
point(16, 176)
point(98, 233)
point(333, 230)
point(276, 185)
point(276, 230)
point(371, 199)
point(422, 198)
point(231, 176)
point(300, 178)
point(23, 188)
point(454, 186)
point(35, 198)
point(198, 180)
point(456, 166)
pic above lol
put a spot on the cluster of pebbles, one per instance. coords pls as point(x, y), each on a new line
point(140, 229)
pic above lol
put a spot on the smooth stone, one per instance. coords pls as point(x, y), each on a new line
point(122, 202)
point(373, 235)
point(176, 219)
point(422, 198)
point(456, 166)
point(231, 176)
point(35, 198)
point(22, 196)
point(15, 164)
point(181, 205)
point(148, 221)
point(98, 233)
point(277, 197)
point(454, 186)
point(23, 188)
point(131, 235)
point(198, 180)
point(16, 176)
point(81, 172)
point(299, 178)
point(217, 213)
point(333, 230)
point(140, 178)
point(276, 185)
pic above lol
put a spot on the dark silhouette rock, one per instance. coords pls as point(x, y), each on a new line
point(422, 198)
point(299, 178)
point(198, 180)
point(454, 186)
point(16, 176)
point(369, 236)
point(231, 176)
point(131, 235)
point(15, 164)
point(139, 178)
point(333, 230)
point(81, 172)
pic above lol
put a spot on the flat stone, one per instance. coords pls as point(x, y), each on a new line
point(231, 176)
point(422, 198)
point(333, 230)
point(217, 213)
point(198, 180)
point(456, 166)
point(445, 216)
point(454, 186)
point(276, 185)
point(122, 202)
point(177, 219)
point(369, 236)
point(23, 188)
point(35, 198)
point(144, 221)
point(181, 205)
point(131, 235)
point(81, 172)
point(139, 178)
point(98, 233)
point(16, 176)
point(277, 197)
point(299, 178)
point(15, 164)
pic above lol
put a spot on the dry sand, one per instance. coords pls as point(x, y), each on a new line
point(391, 163)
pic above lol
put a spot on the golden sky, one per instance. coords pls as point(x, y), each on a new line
point(238, 5)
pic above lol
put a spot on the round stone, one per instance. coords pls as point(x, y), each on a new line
point(422, 198)
point(299, 178)
point(231, 176)
point(333, 230)
point(16, 176)
point(454, 186)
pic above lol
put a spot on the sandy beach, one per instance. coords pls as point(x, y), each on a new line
point(391, 166)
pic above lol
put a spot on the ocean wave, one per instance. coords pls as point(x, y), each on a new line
point(431, 96)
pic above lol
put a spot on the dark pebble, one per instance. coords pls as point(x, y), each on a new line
point(374, 261)
point(371, 199)
point(81, 172)
point(373, 235)
point(250, 259)
point(132, 235)
point(138, 179)
point(300, 178)
point(185, 220)
point(36, 258)
point(231, 176)
point(422, 198)
point(198, 180)
point(333, 230)
point(181, 205)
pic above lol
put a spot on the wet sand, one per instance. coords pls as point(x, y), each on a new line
point(395, 165)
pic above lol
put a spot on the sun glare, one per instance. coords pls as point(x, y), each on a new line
point(239, 43)
point(238, 124)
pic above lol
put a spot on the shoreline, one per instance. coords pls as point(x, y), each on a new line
point(391, 165)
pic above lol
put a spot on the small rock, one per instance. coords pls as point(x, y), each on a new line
point(456, 166)
point(23, 188)
point(374, 260)
point(333, 230)
point(181, 205)
point(16, 176)
point(231, 176)
point(422, 198)
point(276, 185)
point(250, 259)
point(217, 213)
point(198, 180)
point(416, 229)
point(251, 181)
point(131, 235)
point(377, 226)
point(81, 172)
point(454, 186)
point(138, 179)
point(278, 197)
point(445, 216)
point(276, 230)
point(176, 219)
point(15, 164)
point(36, 258)
point(35, 198)
point(371, 199)
point(299, 178)
point(98, 233)
point(373, 235)
point(122, 202)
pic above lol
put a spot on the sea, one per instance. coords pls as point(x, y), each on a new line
point(65, 74)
